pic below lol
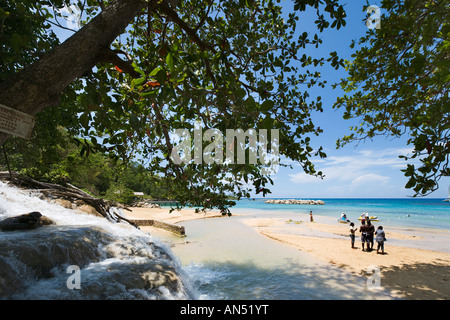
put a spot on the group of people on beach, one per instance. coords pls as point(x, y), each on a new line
point(368, 232)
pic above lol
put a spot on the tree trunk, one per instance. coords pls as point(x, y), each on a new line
point(68, 192)
point(41, 84)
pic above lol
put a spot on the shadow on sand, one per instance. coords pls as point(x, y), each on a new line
point(407, 282)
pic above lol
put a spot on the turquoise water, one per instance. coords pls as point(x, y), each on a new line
point(407, 212)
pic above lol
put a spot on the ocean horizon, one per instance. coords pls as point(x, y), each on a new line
point(398, 212)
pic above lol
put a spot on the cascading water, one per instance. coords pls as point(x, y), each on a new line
point(82, 257)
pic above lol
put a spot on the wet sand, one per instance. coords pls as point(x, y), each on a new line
point(414, 266)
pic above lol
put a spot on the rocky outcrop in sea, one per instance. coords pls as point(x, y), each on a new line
point(295, 201)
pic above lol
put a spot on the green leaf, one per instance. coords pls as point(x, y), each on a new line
point(169, 61)
point(155, 71)
point(250, 102)
point(161, 76)
point(136, 82)
point(134, 122)
point(137, 69)
point(147, 93)
point(266, 105)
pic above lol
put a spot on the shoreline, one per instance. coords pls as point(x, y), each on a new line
point(406, 271)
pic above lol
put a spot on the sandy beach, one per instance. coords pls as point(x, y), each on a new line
point(407, 271)
point(174, 217)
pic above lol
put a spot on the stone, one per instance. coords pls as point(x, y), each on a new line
point(46, 221)
point(26, 221)
point(176, 229)
point(64, 203)
point(90, 210)
point(294, 201)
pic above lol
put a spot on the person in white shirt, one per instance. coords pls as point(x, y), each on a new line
point(380, 238)
point(352, 234)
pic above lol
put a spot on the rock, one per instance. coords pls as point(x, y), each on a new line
point(45, 221)
point(144, 204)
point(79, 203)
point(90, 210)
point(176, 229)
point(26, 221)
point(64, 203)
point(294, 201)
point(132, 269)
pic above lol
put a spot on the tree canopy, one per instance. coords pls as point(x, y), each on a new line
point(229, 64)
point(138, 70)
point(398, 84)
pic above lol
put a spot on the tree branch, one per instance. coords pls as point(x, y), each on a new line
point(41, 84)
point(203, 19)
point(111, 56)
point(183, 25)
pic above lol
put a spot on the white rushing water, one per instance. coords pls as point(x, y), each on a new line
point(82, 257)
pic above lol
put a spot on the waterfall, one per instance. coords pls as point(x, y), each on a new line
point(82, 257)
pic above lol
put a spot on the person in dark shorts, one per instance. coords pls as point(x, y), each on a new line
point(370, 233)
point(363, 229)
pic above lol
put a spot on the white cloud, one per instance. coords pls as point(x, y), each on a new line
point(302, 177)
point(371, 177)
point(360, 167)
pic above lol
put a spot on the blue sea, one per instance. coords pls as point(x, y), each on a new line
point(405, 212)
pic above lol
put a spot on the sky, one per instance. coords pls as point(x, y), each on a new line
point(369, 169)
